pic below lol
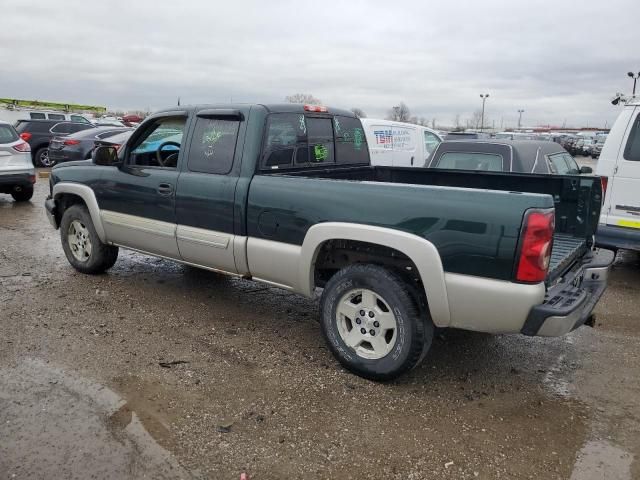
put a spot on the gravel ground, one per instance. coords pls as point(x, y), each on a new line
point(89, 386)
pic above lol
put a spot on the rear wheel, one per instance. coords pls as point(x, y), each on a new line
point(41, 158)
point(82, 246)
point(372, 324)
point(23, 195)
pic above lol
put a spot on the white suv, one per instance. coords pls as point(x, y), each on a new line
point(17, 174)
point(619, 167)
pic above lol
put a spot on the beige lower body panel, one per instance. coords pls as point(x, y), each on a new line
point(207, 248)
point(140, 233)
point(492, 306)
point(276, 263)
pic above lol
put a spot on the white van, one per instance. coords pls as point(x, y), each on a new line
point(399, 144)
point(619, 167)
point(12, 116)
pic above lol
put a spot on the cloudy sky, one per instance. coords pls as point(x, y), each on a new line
point(561, 61)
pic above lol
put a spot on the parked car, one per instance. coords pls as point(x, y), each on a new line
point(399, 144)
point(117, 140)
point(619, 166)
point(465, 136)
point(519, 156)
point(596, 150)
point(38, 134)
point(17, 174)
point(79, 145)
point(286, 195)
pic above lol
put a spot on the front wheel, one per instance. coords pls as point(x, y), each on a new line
point(82, 246)
point(372, 324)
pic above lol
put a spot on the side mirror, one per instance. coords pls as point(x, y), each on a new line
point(586, 170)
point(105, 156)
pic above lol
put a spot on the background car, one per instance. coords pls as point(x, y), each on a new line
point(17, 174)
point(518, 156)
point(79, 145)
point(116, 140)
point(38, 134)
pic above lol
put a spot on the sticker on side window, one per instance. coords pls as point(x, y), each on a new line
point(320, 152)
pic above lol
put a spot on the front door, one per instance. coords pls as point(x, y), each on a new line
point(137, 199)
point(206, 231)
point(624, 202)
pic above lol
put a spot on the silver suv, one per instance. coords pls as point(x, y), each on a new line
point(17, 174)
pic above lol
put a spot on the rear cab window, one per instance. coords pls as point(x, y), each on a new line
point(56, 116)
point(488, 162)
point(294, 140)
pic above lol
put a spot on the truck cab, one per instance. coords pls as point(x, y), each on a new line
point(619, 168)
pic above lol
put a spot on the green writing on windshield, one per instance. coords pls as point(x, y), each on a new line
point(357, 138)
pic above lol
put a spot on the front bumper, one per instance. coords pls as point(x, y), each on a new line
point(50, 208)
point(569, 303)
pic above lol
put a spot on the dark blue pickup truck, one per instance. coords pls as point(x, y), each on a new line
point(286, 195)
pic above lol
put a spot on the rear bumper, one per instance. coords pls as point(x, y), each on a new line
point(24, 178)
point(609, 236)
point(570, 303)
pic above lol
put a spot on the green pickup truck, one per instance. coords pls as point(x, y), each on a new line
point(286, 195)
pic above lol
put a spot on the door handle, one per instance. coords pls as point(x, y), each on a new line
point(165, 189)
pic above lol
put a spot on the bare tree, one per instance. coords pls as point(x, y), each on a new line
point(399, 113)
point(358, 112)
point(457, 123)
point(476, 118)
point(303, 98)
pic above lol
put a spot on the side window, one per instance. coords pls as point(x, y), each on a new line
point(62, 128)
point(431, 141)
point(56, 116)
point(571, 164)
point(37, 116)
point(160, 144)
point(351, 144)
point(558, 164)
point(79, 118)
point(213, 145)
point(632, 149)
point(286, 134)
point(76, 127)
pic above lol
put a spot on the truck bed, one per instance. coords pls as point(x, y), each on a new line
point(576, 199)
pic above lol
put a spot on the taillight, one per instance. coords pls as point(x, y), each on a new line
point(72, 142)
point(536, 243)
point(26, 136)
point(315, 108)
point(32, 178)
point(22, 147)
point(604, 181)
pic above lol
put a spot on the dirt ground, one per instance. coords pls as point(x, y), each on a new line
point(156, 370)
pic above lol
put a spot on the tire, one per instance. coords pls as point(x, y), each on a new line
point(389, 352)
point(81, 244)
point(23, 195)
point(41, 158)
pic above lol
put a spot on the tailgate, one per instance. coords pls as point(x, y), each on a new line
point(566, 250)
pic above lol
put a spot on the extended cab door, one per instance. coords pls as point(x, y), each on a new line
point(206, 192)
point(623, 199)
point(137, 199)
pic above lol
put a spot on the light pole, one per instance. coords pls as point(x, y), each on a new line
point(484, 99)
point(520, 112)
point(635, 79)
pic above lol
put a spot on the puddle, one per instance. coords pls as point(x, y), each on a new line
point(58, 425)
point(601, 460)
